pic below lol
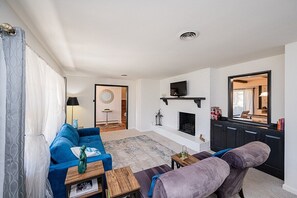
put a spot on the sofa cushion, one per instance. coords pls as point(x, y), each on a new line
point(93, 141)
point(88, 139)
point(67, 131)
point(60, 150)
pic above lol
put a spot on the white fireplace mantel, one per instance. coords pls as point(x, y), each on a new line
point(192, 142)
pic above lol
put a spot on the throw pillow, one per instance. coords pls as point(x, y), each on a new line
point(70, 133)
point(221, 152)
point(60, 150)
point(90, 152)
point(154, 179)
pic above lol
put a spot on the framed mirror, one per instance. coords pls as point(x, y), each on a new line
point(106, 96)
point(249, 98)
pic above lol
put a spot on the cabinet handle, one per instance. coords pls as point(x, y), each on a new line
point(231, 128)
point(251, 132)
point(274, 137)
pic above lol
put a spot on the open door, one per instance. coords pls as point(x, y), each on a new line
point(111, 107)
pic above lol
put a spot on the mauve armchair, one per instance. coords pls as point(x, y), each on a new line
point(240, 160)
point(198, 180)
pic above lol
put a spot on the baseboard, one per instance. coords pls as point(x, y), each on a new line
point(290, 189)
point(142, 130)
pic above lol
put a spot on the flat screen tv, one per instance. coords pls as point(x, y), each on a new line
point(178, 88)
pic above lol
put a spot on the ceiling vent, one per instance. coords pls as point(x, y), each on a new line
point(188, 35)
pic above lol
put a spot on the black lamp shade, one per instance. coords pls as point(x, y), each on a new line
point(72, 101)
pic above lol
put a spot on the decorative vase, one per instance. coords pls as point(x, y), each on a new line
point(82, 165)
point(75, 123)
point(184, 152)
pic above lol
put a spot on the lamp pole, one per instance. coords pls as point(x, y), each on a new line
point(72, 101)
point(72, 116)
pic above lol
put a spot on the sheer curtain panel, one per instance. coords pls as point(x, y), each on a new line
point(12, 114)
point(248, 100)
point(44, 116)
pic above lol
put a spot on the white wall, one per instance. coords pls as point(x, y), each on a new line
point(84, 89)
point(7, 15)
point(148, 97)
point(198, 86)
point(115, 106)
point(290, 118)
point(219, 83)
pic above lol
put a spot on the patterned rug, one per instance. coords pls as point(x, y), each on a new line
point(140, 152)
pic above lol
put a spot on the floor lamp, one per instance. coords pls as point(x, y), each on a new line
point(72, 101)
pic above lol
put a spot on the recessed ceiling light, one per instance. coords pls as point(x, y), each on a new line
point(124, 75)
point(189, 35)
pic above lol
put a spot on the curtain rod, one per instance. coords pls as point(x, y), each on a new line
point(10, 30)
point(6, 27)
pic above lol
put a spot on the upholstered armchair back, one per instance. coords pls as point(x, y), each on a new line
point(197, 180)
point(240, 160)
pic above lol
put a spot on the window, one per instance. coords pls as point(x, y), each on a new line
point(243, 101)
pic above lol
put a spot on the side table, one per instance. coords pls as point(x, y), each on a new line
point(122, 182)
point(182, 162)
point(107, 111)
point(95, 170)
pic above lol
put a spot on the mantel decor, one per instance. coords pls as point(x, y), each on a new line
point(197, 100)
point(158, 118)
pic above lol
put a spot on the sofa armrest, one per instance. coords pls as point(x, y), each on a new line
point(57, 172)
point(88, 131)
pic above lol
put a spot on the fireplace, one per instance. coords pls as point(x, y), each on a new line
point(187, 123)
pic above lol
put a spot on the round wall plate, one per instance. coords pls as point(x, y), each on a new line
point(106, 96)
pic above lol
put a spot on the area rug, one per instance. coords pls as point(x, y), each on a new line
point(140, 152)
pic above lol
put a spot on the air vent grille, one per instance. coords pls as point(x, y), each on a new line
point(188, 35)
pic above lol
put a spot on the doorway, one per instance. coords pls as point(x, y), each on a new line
point(111, 107)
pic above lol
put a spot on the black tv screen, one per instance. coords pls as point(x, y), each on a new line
point(178, 88)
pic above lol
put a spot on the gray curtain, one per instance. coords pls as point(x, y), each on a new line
point(14, 129)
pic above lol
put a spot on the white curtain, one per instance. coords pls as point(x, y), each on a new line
point(45, 113)
point(248, 100)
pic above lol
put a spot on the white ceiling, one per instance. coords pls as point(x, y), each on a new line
point(140, 38)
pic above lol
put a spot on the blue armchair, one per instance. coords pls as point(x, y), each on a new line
point(62, 157)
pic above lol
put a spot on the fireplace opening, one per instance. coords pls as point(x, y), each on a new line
point(187, 123)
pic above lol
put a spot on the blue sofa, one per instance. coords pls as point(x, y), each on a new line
point(62, 157)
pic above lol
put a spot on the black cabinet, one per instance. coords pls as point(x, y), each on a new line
point(231, 133)
point(219, 136)
point(275, 163)
point(250, 135)
point(228, 134)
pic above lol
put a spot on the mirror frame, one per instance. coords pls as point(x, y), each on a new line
point(230, 97)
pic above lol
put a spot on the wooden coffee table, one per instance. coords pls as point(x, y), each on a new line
point(122, 182)
point(94, 170)
point(182, 162)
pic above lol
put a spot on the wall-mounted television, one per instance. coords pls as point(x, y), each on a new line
point(178, 88)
